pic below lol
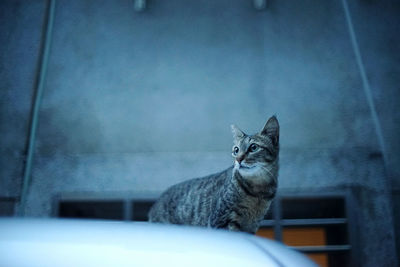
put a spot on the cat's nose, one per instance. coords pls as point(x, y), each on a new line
point(239, 159)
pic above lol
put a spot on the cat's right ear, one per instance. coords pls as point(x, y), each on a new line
point(237, 133)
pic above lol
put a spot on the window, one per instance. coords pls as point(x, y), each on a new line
point(140, 208)
point(7, 206)
point(108, 209)
point(91, 209)
point(315, 225)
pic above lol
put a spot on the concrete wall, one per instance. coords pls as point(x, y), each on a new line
point(135, 102)
point(20, 34)
point(377, 24)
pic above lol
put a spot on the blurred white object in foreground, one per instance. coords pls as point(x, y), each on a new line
point(52, 242)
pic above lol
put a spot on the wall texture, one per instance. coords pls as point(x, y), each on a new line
point(377, 24)
point(20, 35)
point(135, 102)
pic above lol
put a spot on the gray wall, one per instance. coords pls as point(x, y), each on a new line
point(20, 36)
point(135, 102)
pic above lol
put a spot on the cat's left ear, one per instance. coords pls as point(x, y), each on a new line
point(271, 129)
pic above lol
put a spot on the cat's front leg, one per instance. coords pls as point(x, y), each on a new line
point(218, 220)
point(223, 224)
point(233, 226)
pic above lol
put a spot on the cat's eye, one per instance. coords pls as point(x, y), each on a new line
point(253, 147)
point(235, 150)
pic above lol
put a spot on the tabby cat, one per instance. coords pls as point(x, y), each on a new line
point(237, 198)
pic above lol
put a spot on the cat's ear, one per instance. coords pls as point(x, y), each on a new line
point(271, 129)
point(237, 133)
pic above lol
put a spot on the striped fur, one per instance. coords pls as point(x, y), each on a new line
point(237, 198)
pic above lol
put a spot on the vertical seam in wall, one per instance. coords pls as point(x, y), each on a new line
point(44, 56)
point(365, 82)
point(374, 115)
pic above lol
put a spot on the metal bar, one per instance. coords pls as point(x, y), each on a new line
point(277, 216)
point(305, 222)
point(267, 223)
point(322, 248)
point(312, 195)
point(45, 51)
point(352, 228)
point(128, 210)
point(55, 207)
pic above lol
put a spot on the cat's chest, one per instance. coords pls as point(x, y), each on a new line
point(249, 213)
point(253, 208)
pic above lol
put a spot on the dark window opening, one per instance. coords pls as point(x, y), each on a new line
point(110, 210)
point(7, 206)
point(312, 208)
point(140, 209)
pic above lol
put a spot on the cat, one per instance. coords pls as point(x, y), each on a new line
point(237, 198)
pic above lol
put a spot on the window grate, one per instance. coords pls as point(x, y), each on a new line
point(314, 225)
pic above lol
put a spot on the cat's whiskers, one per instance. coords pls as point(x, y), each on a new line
point(267, 170)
